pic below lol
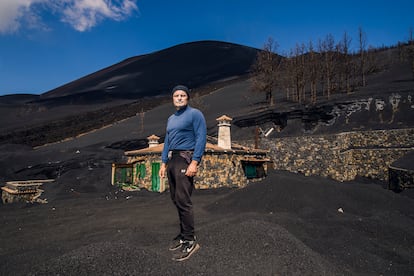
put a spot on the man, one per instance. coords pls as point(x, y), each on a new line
point(184, 145)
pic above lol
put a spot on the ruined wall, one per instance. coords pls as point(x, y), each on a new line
point(342, 156)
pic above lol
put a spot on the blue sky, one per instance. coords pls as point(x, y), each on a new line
point(47, 43)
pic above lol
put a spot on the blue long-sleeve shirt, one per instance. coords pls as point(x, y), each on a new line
point(186, 130)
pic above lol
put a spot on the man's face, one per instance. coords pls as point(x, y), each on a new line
point(180, 99)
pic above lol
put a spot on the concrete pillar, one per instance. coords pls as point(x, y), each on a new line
point(153, 141)
point(224, 134)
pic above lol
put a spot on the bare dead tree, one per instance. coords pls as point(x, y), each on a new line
point(265, 70)
point(334, 67)
point(362, 39)
point(354, 72)
point(141, 118)
point(313, 68)
point(409, 56)
point(406, 50)
point(410, 50)
point(288, 80)
point(345, 62)
point(299, 72)
point(327, 50)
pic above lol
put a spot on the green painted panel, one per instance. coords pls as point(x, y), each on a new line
point(250, 171)
point(140, 170)
point(155, 179)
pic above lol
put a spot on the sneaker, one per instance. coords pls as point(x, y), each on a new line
point(176, 243)
point(188, 248)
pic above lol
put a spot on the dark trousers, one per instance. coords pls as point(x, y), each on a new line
point(181, 189)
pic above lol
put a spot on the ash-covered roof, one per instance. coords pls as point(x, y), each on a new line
point(210, 147)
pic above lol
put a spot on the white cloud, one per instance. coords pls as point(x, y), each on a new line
point(14, 12)
point(82, 15)
point(85, 14)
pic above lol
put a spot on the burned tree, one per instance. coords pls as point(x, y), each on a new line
point(345, 64)
point(265, 70)
point(297, 71)
point(313, 67)
point(327, 50)
point(362, 39)
point(410, 50)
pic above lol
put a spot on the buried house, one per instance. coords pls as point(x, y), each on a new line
point(224, 164)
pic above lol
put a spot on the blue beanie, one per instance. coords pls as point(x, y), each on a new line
point(183, 88)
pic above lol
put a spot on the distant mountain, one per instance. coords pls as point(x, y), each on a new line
point(140, 84)
point(194, 64)
point(12, 99)
point(123, 89)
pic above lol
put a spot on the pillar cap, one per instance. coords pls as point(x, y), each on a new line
point(153, 137)
point(224, 118)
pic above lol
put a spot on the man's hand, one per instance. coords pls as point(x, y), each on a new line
point(192, 169)
point(162, 170)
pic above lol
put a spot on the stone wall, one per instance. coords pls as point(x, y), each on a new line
point(342, 156)
point(221, 169)
point(144, 181)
